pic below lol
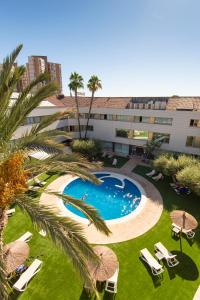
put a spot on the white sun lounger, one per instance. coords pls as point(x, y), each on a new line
point(22, 282)
point(150, 174)
point(169, 257)
point(114, 163)
point(10, 212)
point(146, 256)
point(111, 283)
point(157, 177)
point(42, 232)
point(25, 237)
point(188, 232)
point(38, 181)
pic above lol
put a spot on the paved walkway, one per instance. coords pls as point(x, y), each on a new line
point(131, 164)
point(121, 231)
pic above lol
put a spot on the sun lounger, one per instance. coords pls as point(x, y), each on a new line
point(152, 173)
point(25, 237)
point(42, 233)
point(188, 232)
point(39, 182)
point(34, 188)
point(114, 163)
point(146, 256)
point(10, 212)
point(169, 257)
point(22, 282)
point(111, 283)
point(158, 177)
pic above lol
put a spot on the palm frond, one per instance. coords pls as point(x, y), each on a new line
point(23, 106)
point(63, 232)
point(89, 211)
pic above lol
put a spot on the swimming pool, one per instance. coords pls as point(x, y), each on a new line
point(116, 197)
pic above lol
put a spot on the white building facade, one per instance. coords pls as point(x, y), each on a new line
point(126, 124)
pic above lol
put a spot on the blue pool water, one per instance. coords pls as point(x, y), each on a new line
point(110, 197)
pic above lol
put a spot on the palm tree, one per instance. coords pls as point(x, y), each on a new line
point(76, 83)
point(16, 167)
point(94, 84)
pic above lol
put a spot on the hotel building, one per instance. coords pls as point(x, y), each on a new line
point(125, 124)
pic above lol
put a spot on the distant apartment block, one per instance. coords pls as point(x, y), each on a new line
point(54, 70)
point(37, 65)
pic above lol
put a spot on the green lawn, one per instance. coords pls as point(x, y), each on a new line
point(58, 281)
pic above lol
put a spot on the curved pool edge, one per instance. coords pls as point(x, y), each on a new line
point(131, 215)
point(121, 231)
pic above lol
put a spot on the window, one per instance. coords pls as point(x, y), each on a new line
point(137, 119)
point(193, 141)
point(132, 134)
point(122, 118)
point(75, 128)
point(110, 117)
point(164, 121)
point(140, 135)
point(161, 137)
point(121, 149)
point(122, 133)
point(103, 117)
point(195, 123)
point(145, 120)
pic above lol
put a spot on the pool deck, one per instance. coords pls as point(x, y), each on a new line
point(122, 231)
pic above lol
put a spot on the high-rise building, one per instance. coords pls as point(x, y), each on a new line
point(37, 65)
point(54, 70)
point(24, 80)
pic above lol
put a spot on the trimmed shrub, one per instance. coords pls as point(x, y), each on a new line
point(89, 148)
point(190, 177)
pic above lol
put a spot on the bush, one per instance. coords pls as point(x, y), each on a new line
point(89, 148)
point(190, 177)
point(185, 167)
point(170, 165)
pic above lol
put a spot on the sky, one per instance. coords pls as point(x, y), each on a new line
point(136, 47)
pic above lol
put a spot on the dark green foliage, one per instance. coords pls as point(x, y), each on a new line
point(89, 148)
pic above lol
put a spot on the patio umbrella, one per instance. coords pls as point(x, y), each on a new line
point(106, 266)
point(184, 220)
point(15, 254)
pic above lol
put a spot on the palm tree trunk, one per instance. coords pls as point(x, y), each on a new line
point(89, 113)
point(78, 114)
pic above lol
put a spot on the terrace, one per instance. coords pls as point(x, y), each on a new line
point(58, 280)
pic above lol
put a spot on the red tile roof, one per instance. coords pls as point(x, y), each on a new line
point(172, 103)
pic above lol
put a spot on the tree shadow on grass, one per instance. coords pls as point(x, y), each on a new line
point(187, 268)
point(157, 280)
point(85, 295)
point(109, 296)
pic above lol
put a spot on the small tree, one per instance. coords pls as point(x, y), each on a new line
point(190, 176)
point(89, 148)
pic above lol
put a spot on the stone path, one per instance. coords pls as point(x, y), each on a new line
point(121, 231)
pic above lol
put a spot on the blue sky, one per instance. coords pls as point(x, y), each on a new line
point(137, 47)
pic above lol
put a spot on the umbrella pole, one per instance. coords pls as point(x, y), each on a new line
point(181, 240)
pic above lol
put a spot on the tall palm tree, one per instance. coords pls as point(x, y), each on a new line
point(76, 83)
point(16, 167)
point(94, 84)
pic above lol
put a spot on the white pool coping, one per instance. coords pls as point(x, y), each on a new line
point(67, 213)
point(129, 227)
